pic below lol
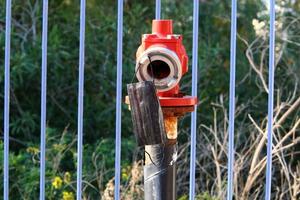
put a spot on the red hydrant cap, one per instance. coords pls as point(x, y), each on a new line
point(162, 27)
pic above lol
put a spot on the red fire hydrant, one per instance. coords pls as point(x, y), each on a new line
point(162, 58)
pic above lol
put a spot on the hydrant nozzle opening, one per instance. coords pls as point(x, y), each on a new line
point(158, 69)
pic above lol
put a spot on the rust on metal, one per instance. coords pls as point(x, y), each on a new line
point(171, 127)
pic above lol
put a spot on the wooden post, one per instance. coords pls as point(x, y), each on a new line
point(146, 113)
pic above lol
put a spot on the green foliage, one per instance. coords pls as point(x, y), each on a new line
point(100, 76)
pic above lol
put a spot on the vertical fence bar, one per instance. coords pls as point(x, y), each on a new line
point(194, 93)
point(6, 100)
point(270, 101)
point(119, 100)
point(232, 100)
point(43, 99)
point(157, 9)
point(80, 100)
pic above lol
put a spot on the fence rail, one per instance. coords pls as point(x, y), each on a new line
point(194, 93)
point(6, 100)
point(119, 96)
point(43, 99)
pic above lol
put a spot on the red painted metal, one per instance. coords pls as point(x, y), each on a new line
point(178, 101)
point(162, 36)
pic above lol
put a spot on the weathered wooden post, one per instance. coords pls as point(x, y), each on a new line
point(156, 103)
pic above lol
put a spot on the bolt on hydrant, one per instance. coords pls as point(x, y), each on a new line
point(156, 103)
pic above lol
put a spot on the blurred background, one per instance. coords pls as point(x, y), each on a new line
point(99, 99)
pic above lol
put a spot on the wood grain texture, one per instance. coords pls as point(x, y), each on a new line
point(146, 113)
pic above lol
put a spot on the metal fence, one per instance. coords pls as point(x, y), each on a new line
point(119, 96)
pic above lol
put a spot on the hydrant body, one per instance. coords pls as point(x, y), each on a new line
point(162, 58)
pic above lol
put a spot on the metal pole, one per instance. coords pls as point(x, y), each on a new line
point(194, 93)
point(270, 100)
point(43, 99)
point(157, 9)
point(232, 100)
point(6, 100)
point(80, 100)
point(160, 172)
point(160, 161)
point(119, 101)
